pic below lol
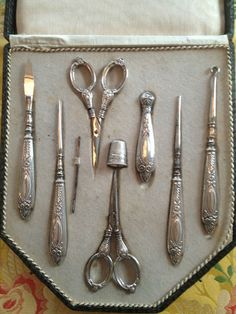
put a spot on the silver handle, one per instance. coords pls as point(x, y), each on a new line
point(26, 196)
point(145, 154)
point(209, 209)
point(175, 235)
point(58, 239)
point(107, 98)
point(209, 195)
point(86, 93)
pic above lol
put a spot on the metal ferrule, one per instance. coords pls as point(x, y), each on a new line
point(29, 117)
point(60, 167)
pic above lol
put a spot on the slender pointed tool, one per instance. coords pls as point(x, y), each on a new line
point(58, 237)
point(175, 234)
point(77, 166)
point(26, 194)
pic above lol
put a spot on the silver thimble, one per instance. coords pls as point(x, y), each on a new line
point(117, 155)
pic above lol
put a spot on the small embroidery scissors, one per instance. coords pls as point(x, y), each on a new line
point(113, 269)
point(87, 98)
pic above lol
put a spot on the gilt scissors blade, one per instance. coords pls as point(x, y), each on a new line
point(87, 97)
point(96, 140)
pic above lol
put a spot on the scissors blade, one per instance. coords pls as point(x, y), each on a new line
point(96, 139)
point(114, 201)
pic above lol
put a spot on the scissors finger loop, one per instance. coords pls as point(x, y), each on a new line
point(115, 63)
point(129, 287)
point(79, 62)
point(108, 263)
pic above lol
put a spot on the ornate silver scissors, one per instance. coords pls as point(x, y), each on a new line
point(117, 159)
point(87, 98)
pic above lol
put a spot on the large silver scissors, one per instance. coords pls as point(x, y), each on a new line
point(87, 98)
point(114, 269)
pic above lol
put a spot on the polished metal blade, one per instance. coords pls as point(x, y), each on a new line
point(28, 81)
point(114, 217)
point(96, 139)
point(60, 127)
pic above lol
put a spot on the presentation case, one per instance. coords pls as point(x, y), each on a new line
point(169, 49)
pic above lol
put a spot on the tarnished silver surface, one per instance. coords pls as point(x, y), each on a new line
point(209, 208)
point(117, 155)
point(145, 153)
point(175, 233)
point(77, 166)
point(117, 148)
point(58, 237)
point(26, 195)
point(87, 98)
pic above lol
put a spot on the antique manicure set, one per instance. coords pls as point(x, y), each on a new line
point(146, 164)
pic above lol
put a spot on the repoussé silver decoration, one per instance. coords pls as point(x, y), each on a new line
point(175, 232)
point(145, 153)
point(58, 237)
point(209, 206)
point(26, 194)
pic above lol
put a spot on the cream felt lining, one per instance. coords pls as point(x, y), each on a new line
point(123, 17)
point(143, 208)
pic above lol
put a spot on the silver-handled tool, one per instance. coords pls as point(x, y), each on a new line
point(145, 153)
point(87, 97)
point(26, 195)
point(58, 238)
point(76, 176)
point(175, 232)
point(117, 158)
point(209, 208)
